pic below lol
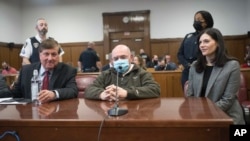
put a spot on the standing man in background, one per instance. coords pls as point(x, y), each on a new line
point(29, 52)
point(89, 61)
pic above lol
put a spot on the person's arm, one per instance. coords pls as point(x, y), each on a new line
point(180, 55)
point(26, 61)
point(65, 83)
point(94, 91)
point(60, 59)
point(79, 64)
point(149, 87)
point(190, 91)
point(99, 65)
point(26, 52)
point(231, 87)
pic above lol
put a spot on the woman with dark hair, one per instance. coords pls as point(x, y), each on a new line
point(188, 50)
point(216, 75)
point(138, 60)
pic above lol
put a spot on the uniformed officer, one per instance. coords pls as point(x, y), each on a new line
point(29, 52)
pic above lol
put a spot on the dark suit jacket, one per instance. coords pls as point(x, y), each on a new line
point(62, 80)
point(106, 67)
point(4, 89)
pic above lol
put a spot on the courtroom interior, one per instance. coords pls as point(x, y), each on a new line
point(157, 27)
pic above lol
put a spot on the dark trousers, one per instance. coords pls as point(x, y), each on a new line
point(184, 77)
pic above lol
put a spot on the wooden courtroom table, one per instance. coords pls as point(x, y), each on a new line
point(159, 119)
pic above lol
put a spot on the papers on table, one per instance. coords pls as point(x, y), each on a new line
point(11, 100)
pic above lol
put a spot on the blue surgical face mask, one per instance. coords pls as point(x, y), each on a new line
point(121, 65)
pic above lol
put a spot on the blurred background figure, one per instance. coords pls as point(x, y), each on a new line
point(153, 63)
point(169, 64)
point(7, 69)
point(89, 61)
point(144, 55)
point(109, 65)
point(161, 66)
point(138, 60)
point(247, 57)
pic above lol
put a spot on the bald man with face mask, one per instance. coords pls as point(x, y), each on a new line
point(133, 81)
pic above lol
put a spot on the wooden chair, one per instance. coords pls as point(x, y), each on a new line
point(243, 98)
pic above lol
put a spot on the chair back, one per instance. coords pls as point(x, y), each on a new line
point(242, 94)
point(83, 81)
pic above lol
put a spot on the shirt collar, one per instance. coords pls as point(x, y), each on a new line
point(38, 38)
point(42, 71)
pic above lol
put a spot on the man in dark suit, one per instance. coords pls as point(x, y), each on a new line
point(4, 89)
point(62, 84)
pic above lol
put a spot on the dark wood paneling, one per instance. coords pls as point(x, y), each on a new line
point(11, 55)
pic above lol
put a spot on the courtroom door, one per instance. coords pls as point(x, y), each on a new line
point(133, 40)
point(129, 28)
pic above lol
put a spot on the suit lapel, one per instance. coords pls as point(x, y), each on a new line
point(198, 82)
point(54, 76)
point(215, 73)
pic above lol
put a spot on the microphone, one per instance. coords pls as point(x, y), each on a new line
point(116, 111)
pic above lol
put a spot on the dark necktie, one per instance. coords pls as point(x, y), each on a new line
point(45, 84)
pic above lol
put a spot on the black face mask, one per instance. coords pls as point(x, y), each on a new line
point(197, 25)
point(155, 62)
point(6, 68)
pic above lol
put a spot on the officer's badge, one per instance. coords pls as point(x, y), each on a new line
point(36, 45)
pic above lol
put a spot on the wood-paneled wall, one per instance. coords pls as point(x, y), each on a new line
point(10, 55)
point(235, 45)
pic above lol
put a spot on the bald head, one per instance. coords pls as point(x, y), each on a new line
point(91, 44)
point(122, 52)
